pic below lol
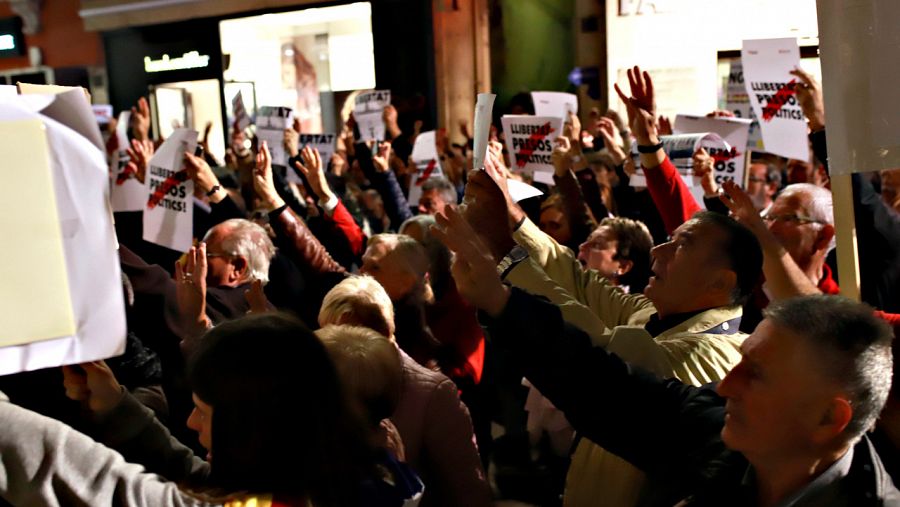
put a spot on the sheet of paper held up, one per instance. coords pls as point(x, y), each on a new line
point(680, 149)
point(368, 112)
point(34, 297)
point(428, 164)
point(127, 193)
point(484, 107)
point(80, 191)
point(169, 212)
point(729, 164)
point(555, 104)
point(271, 122)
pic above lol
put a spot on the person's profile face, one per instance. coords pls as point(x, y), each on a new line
point(598, 252)
point(556, 225)
point(220, 269)
point(775, 398)
point(431, 202)
point(200, 421)
point(388, 269)
point(682, 266)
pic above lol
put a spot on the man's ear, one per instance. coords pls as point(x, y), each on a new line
point(835, 420)
point(240, 266)
point(824, 237)
point(724, 280)
point(625, 266)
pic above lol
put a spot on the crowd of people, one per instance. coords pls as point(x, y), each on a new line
point(331, 343)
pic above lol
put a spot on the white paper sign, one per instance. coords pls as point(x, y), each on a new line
point(554, 104)
point(428, 164)
point(241, 117)
point(738, 102)
point(271, 123)
point(680, 150)
point(484, 106)
point(81, 192)
point(520, 191)
point(530, 141)
point(729, 164)
point(368, 111)
point(8, 92)
point(767, 64)
point(169, 210)
point(322, 142)
point(126, 192)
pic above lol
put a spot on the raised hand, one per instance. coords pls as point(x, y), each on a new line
point(489, 209)
point(742, 209)
point(204, 142)
point(665, 126)
point(263, 181)
point(390, 121)
point(611, 139)
point(204, 178)
point(94, 385)
point(140, 120)
point(139, 154)
point(572, 129)
point(704, 168)
point(809, 93)
point(256, 298)
point(292, 142)
point(381, 157)
point(474, 269)
point(641, 107)
point(314, 172)
point(190, 291)
point(561, 156)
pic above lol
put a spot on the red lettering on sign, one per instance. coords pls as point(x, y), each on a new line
point(534, 139)
point(168, 184)
point(779, 100)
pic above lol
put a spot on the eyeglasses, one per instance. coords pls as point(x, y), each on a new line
point(791, 217)
point(754, 179)
point(210, 255)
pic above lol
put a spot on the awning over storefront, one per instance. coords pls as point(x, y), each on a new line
point(100, 15)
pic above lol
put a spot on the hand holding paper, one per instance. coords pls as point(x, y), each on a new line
point(703, 166)
point(94, 385)
point(203, 176)
point(381, 158)
point(809, 93)
point(487, 211)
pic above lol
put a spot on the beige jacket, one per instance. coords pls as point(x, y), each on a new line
point(698, 351)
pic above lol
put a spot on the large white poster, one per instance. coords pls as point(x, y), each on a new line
point(772, 90)
point(530, 141)
point(730, 162)
point(169, 212)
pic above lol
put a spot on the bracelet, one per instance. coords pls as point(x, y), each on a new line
point(213, 190)
point(653, 148)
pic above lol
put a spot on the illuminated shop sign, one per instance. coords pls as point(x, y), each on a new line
point(191, 60)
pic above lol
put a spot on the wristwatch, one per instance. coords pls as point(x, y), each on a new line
point(653, 148)
point(511, 260)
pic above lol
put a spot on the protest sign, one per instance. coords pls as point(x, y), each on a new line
point(102, 113)
point(368, 111)
point(169, 211)
point(241, 117)
point(680, 149)
point(44, 89)
point(271, 123)
point(554, 104)
point(530, 141)
point(428, 164)
point(40, 308)
point(126, 192)
point(484, 106)
point(729, 164)
point(82, 220)
point(771, 88)
point(738, 102)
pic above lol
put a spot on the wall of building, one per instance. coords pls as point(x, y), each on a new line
point(62, 39)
